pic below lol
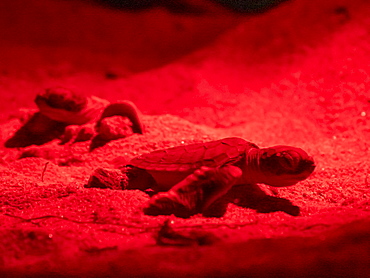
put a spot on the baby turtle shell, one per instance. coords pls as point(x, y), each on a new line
point(66, 106)
point(190, 157)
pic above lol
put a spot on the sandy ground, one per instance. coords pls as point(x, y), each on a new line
point(296, 75)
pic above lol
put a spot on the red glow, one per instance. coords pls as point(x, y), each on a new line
point(297, 75)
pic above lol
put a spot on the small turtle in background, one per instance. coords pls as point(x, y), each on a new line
point(73, 117)
point(85, 115)
point(191, 179)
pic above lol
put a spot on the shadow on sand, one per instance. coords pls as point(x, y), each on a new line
point(38, 130)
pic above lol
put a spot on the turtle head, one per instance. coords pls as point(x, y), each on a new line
point(285, 165)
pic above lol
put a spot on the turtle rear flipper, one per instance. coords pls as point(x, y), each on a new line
point(196, 193)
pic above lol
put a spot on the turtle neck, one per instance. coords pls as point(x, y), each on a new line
point(252, 173)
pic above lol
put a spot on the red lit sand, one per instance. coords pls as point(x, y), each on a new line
point(297, 75)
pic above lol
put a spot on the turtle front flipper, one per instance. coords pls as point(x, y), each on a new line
point(124, 108)
point(196, 193)
point(118, 120)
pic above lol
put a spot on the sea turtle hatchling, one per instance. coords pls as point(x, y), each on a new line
point(82, 115)
point(190, 179)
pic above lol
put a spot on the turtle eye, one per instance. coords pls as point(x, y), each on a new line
point(286, 163)
point(288, 160)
